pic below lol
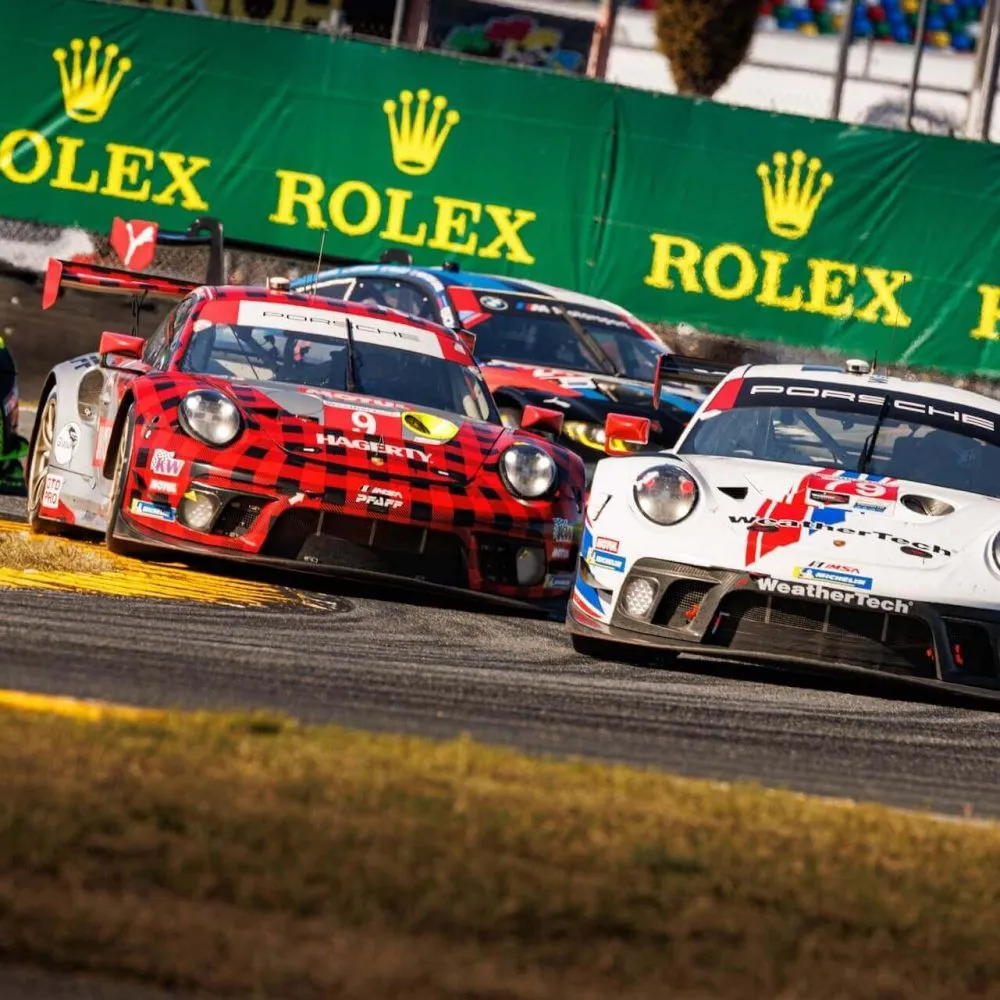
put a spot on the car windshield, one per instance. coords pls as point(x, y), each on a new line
point(634, 356)
point(900, 435)
point(404, 374)
point(529, 331)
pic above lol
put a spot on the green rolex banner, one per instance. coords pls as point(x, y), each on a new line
point(283, 134)
point(762, 225)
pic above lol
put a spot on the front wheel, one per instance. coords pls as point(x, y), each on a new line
point(38, 467)
point(118, 487)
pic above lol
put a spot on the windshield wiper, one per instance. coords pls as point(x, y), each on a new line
point(589, 341)
point(350, 380)
point(243, 351)
point(869, 449)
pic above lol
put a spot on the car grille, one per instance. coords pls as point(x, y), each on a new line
point(972, 648)
point(336, 539)
point(754, 622)
point(238, 516)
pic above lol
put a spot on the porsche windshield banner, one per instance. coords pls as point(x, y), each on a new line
point(870, 401)
point(867, 241)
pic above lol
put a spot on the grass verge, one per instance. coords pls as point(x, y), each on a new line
point(250, 855)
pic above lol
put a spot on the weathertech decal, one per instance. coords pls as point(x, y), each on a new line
point(852, 598)
point(799, 513)
point(755, 522)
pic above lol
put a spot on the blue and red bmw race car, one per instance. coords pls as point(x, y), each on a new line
point(538, 345)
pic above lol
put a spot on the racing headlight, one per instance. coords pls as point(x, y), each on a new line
point(594, 436)
point(996, 550)
point(210, 417)
point(591, 435)
point(665, 494)
point(527, 471)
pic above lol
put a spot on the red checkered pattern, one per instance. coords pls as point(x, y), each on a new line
point(325, 462)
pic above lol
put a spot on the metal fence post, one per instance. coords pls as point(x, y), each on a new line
point(918, 55)
point(843, 51)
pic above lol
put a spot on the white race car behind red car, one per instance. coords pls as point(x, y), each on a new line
point(827, 516)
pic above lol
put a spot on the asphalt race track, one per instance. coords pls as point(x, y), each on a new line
point(397, 662)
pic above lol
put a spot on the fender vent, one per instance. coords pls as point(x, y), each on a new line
point(926, 505)
point(88, 397)
point(736, 492)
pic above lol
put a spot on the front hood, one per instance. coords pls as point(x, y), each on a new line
point(591, 397)
point(364, 432)
point(826, 524)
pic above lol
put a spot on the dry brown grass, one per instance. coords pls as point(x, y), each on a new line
point(22, 551)
point(245, 855)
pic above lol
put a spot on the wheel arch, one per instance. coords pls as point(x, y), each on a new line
point(111, 453)
point(51, 382)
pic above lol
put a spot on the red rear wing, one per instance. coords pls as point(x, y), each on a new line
point(62, 274)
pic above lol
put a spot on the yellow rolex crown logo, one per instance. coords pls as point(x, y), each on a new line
point(89, 90)
point(790, 202)
point(417, 140)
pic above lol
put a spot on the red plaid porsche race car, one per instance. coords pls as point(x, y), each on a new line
point(295, 430)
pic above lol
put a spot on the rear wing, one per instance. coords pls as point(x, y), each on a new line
point(62, 274)
point(697, 371)
point(204, 231)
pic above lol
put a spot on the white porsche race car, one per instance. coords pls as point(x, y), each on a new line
point(825, 516)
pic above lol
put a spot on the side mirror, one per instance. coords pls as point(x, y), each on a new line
point(469, 339)
point(542, 420)
point(621, 430)
point(122, 344)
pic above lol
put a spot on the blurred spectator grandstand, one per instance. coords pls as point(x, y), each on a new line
point(951, 24)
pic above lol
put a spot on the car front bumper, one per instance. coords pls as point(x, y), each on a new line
point(308, 534)
point(730, 614)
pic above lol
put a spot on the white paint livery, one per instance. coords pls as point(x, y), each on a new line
point(834, 536)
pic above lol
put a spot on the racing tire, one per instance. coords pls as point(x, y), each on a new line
point(38, 467)
point(118, 546)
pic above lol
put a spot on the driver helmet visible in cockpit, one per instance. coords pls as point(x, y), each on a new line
point(955, 458)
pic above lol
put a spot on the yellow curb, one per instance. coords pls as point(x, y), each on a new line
point(92, 711)
point(139, 578)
